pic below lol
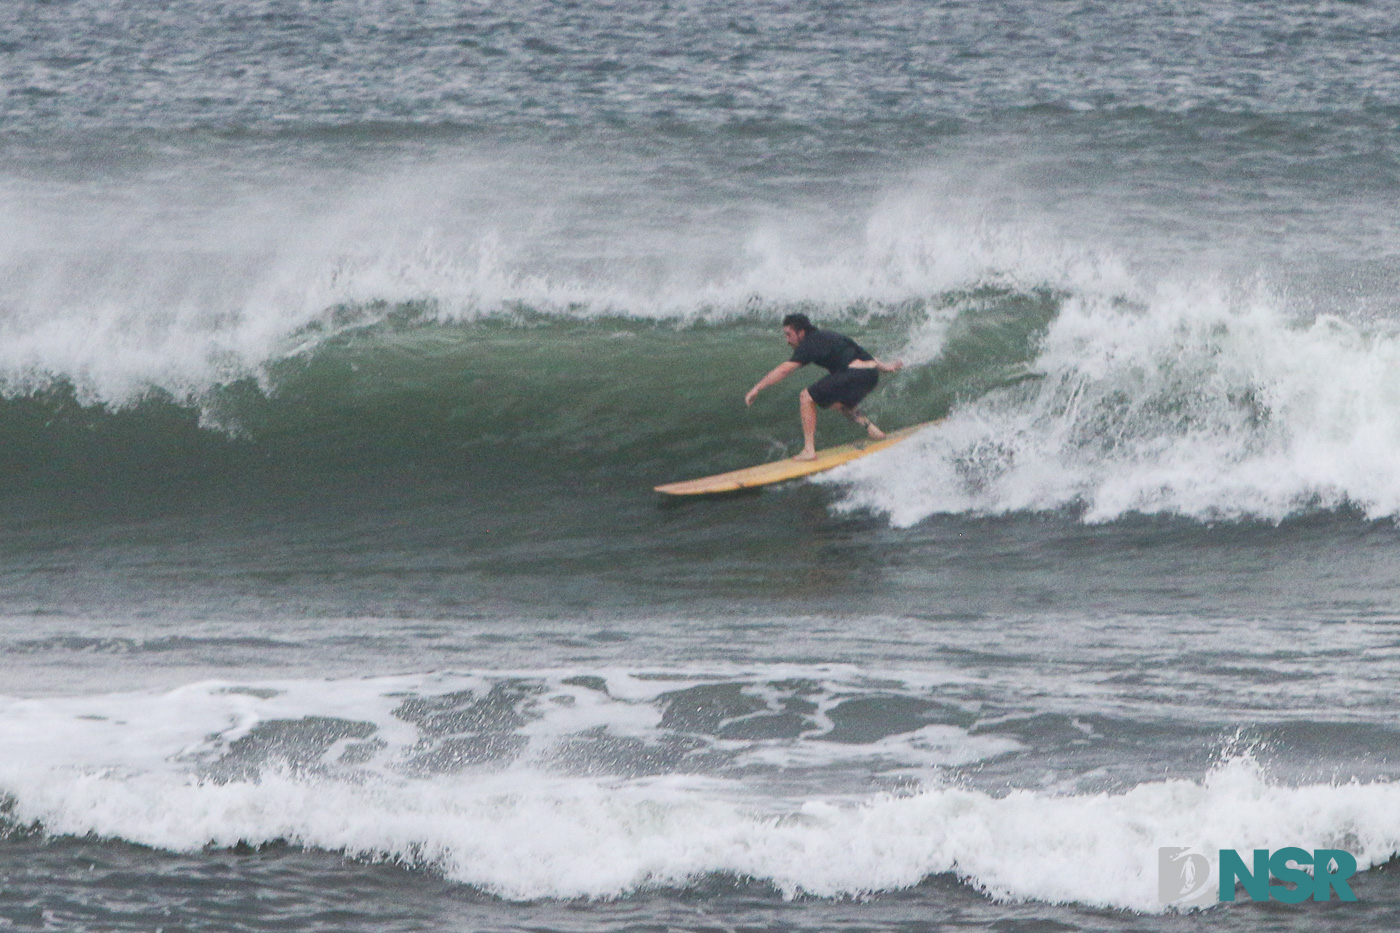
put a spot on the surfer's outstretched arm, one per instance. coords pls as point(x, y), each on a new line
point(778, 374)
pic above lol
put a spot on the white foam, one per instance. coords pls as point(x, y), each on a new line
point(525, 836)
point(1197, 401)
point(924, 749)
point(181, 279)
point(126, 767)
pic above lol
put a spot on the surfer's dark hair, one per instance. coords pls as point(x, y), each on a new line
point(799, 322)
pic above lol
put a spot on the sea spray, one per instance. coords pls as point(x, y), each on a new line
point(1196, 402)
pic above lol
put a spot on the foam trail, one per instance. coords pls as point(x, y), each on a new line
point(1195, 402)
point(146, 768)
point(522, 835)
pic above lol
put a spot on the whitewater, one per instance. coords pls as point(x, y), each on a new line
point(215, 764)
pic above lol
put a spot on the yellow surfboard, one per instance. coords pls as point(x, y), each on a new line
point(781, 470)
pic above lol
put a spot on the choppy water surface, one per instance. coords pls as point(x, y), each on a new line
point(341, 346)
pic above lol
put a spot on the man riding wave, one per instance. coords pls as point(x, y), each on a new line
point(851, 374)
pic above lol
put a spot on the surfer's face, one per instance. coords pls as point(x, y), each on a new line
point(792, 336)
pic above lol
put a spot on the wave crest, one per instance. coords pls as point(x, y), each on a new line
point(1191, 402)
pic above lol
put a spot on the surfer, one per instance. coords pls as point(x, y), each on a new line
point(851, 374)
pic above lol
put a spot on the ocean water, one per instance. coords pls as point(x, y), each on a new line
point(342, 343)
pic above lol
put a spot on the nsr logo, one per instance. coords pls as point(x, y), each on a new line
point(1183, 877)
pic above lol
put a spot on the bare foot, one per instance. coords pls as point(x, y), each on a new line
point(806, 455)
point(875, 433)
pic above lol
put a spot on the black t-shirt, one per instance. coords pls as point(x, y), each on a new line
point(829, 350)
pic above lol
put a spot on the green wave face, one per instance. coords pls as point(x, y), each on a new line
point(521, 404)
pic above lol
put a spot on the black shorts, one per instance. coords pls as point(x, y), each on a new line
point(847, 387)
